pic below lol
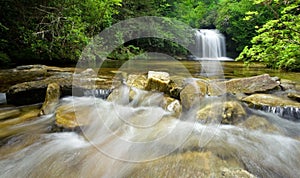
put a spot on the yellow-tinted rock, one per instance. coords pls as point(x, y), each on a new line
point(230, 112)
point(270, 100)
point(259, 123)
point(188, 164)
point(192, 93)
point(51, 99)
point(5, 114)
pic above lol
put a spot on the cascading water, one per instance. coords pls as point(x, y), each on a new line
point(210, 44)
point(70, 154)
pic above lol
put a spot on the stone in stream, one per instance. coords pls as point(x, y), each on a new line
point(158, 81)
point(51, 99)
point(250, 85)
point(138, 81)
point(270, 100)
point(190, 164)
point(192, 93)
point(229, 112)
point(9, 113)
point(294, 96)
point(255, 122)
point(34, 91)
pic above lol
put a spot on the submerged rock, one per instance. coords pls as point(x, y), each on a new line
point(229, 112)
point(190, 164)
point(259, 123)
point(66, 116)
point(250, 85)
point(51, 99)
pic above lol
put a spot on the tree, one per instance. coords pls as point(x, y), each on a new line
point(278, 41)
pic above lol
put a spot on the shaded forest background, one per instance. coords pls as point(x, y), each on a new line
point(56, 31)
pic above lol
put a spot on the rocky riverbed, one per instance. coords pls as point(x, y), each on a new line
point(228, 124)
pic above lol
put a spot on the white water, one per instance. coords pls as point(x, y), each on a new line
point(210, 44)
point(140, 130)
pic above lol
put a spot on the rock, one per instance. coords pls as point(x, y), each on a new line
point(229, 112)
point(66, 117)
point(34, 91)
point(188, 164)
point(259, 123)
point(51, 99)
point(31, 67)
point(138, 81)
point(287, 84)
point(192, 93)
point(250, 85)
point(9, 113)
point(236, 173)
point(172, 105)
point(158, 81)
point(270, 100)
point(32, 114)
point(294, 96)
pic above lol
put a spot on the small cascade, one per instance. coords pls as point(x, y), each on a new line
point(98, 93)
point(290, 113)
point(210, 44)
point(3, 98)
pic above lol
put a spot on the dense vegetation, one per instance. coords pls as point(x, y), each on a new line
point(57, 31)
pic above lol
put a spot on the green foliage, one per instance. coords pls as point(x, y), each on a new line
point(233, 20)
point(278, 41)
point(4, 60)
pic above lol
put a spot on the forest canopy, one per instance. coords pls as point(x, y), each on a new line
point(57, 31)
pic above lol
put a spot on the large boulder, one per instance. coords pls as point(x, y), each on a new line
point(34, 91)
point(229, 112)
point(250, 85)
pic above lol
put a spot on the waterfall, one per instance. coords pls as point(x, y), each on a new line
point(210, 44)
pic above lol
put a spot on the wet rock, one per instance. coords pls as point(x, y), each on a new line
point(188, 164)
point(34, 91)
point(8, 113)
point(287, 84)
point(32, 114)
point(250, 85)
point(259, 123)
point(138, 81)
point(236, 173)
point(281, 106)
point(172, 105)
point(294, 96)
point(192, 93)
point(158, 81)
point(229, 112)
point(67, 118)
point(270, 100)
point(51, 99)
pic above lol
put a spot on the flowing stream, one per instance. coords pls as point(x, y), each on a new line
point(138, 138)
